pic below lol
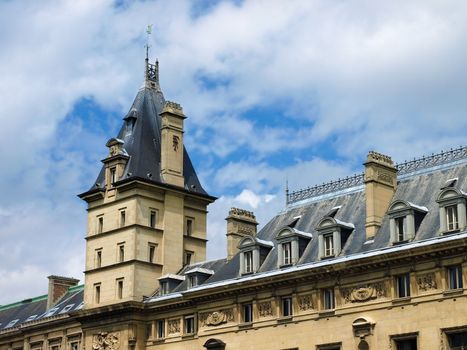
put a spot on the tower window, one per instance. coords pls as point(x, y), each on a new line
point(189, 227)
point(248, 261)
point(328, 245)
point(452, 221)
point(247, 313)
point(100, 224)
point(151, 252)
point(121, 253)
point(286, 306)
point(152, 218)
point(187, 259)
point(113, 175)
point(98, 258)
point(122, 218)
point(403, 286)
point(329, 301)
point(120, 288)
point(287, 253)
point(455, 277)
point(97, 293)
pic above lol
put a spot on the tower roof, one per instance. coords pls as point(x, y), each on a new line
point(141, 137)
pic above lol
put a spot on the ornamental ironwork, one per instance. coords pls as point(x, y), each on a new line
point(407, 167)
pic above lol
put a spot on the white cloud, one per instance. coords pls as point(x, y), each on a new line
point(353, 75)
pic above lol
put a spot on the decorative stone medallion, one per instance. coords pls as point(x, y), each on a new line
point(426, 282)
point(106, 341)
point(216, 318)
point(265, 309)
point(363, 293)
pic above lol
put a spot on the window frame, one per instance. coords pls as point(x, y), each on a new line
point(152, 218)
point(247, 313)
point(403, 289)
point(286, 306)
point(122, 218)
point(189, 226)
point(98, 258)
point(328, 239)
point(121, 252)
point(248, 262)
point(119, 288)
point(454, 273)
point(160, 329)
point(286, 253)
point(329, 299)
point(454, 222)
point(97, 293)
point(152, 252)
point(400, 223)
point(189, 320)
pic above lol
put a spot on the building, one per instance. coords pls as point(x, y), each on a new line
point(374, 261)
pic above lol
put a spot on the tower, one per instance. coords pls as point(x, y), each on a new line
point(147, 208)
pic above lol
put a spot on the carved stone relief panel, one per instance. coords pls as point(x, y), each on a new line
point(363, 293)
point(106, 341)
point(265, 309)
point(216, 318)
point(305, 302)
point(173, 326)
point(426, 282)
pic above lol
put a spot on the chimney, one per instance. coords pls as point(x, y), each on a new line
point(240, 223)
point(58, 286)
point(380, 185)
point(172, 144)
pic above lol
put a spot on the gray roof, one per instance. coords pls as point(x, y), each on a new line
point(33, 310)
point(141, 134)
point(420, 187)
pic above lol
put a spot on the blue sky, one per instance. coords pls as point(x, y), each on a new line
point(273, 90)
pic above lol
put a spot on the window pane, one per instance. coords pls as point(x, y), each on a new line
point(457, 341)
point(407, 344)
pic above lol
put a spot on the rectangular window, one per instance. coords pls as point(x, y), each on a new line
point(189, 227)
point(457, 341)
point(287, 253)
point(406, 344)
point(151, 252)
point(452, 218)
point(152, 218)
point(328, 245)
point(247, 313)
point(189, 324)
point(122, 218)
point(121, 253)
point(120, 288)
point(248, 261)
point(188, 257)
point(74, 345)
point(100, 224)
point(97, 293)
point(98, 262)
point(329, 302)
point(455, 277)
point(55, 347)
point(164, 288)
point(160, 325)
point(113, 176)
point(286, 306)
point(192, 281)
point(400, 228)
point(403, 286)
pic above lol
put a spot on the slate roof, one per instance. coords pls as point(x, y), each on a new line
point(141, 133)
point(33, 310)
point(419, 186)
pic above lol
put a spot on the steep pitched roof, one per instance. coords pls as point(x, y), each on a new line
point(141, 134)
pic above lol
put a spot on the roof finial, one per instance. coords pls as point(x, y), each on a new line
point(148, 34)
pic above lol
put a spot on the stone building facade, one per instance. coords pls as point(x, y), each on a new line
point(373, 261)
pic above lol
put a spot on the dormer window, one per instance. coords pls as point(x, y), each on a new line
point(291, 245)
point(332, 236)
point(253, 252)
point(404, 220)
point(287, 253)
point(164, 289)
point(169, 282)
point(452, 222)
point(248, 261)
point(197, 276)
point(452, 209)
point(328, 245)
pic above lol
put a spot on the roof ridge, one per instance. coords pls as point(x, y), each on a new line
point(18, 303)
point(405, 168)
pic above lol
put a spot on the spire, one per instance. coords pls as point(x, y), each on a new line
point(151, 75)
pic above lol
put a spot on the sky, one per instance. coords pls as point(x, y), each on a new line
point(274, 91)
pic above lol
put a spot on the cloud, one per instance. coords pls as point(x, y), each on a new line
point(273, 90)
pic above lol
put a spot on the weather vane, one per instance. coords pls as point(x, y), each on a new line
point(148, 34)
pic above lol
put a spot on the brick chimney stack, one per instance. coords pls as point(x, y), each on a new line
point(58, 286)
point(380, 185)
point(240, 223)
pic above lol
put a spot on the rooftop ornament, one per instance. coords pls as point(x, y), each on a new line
point(405, 168)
